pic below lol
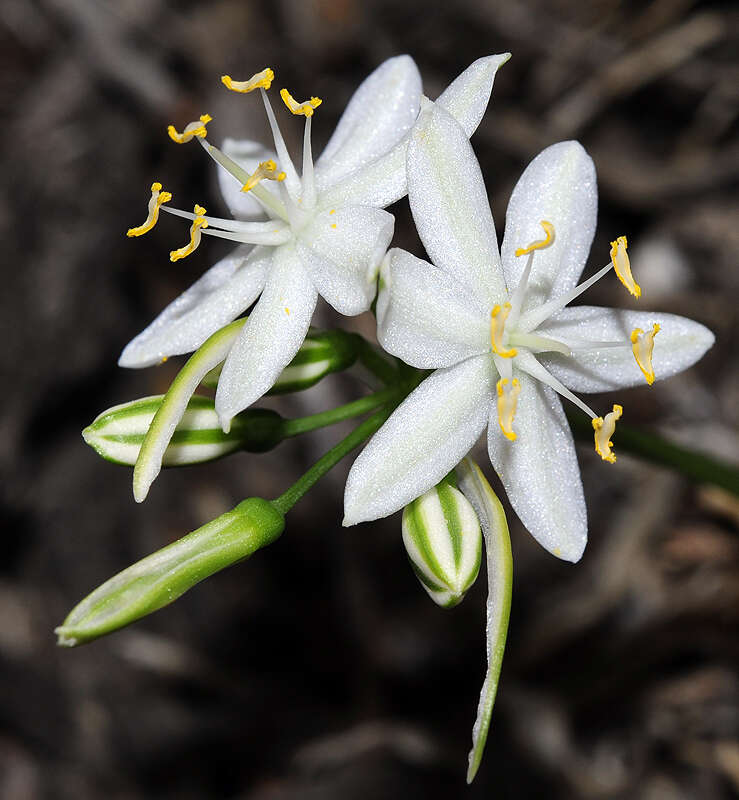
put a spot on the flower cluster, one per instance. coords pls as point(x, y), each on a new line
point(482, 338)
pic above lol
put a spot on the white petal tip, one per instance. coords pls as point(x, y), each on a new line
point(572, 554)
point(225, 423)
point(140, 493)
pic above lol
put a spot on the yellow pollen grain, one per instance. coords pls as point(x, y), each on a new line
point(333, 211)
point(158, 197)
point(287, 311)
point(604, 429)
point(305, 108)
point(195, 235)
point(498, 317)
point(333, 224)
point(540, 244)
point(642, 346)
point(622, 265)
point(261, 80)
point(508, 392)
point(192, 129)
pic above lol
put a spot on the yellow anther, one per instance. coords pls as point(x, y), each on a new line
point(267, 170)
point(622, 265)
point(540, 244)
point(305, 108)
point(157, 198)
point(262, 80)
point(498, 317)
point(508, 392)
point(604, 429)
point(192, 129)
point(198, 223)
point(642, 345)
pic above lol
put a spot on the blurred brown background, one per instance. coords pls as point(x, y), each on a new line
point(320, 669)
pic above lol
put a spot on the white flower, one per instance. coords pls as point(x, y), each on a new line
point(496, 330)
point(326, 232)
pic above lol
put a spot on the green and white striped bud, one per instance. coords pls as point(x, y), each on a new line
point(441, 534)
point(118, 433)
point(322, 353)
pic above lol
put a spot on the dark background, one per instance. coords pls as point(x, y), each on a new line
point(320, 669)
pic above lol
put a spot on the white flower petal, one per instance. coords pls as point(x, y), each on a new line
point(678, 345)
point(379, 114)
point(428, 318)
point(467, 97)
point(499, 563)
point(341, 251)
point(226, 290)
point(450, 205)
point(378, 184)
point(272, 335)
point(427, 435)
point(247, 154)
point(174, 405)
point(539, 470)
point(558, 186)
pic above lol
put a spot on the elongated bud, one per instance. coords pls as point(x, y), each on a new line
point(322, 353)
point(442, 537)
point(162, 577)
point(118, 433)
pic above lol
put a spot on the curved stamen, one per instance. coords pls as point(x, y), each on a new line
point(269, 226)
point(198, 223)
point(262, 80)
point(155, 202)
point(621, 263)
point(540, 244)
point(604, 429)
point(538, 344)
point(267, 170)
point(192, 130)
point(309, 184)
point(532, 319)
point(271, 204)
point(498, 317)
point(292, 181)
point(307, 107)
point(536, 370)
point(274, 237)
point(508, 392)
point(642, 345)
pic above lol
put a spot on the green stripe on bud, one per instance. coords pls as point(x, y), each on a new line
point(442, 537)
point(118, 433)
point(322, 353)
point(162, 577)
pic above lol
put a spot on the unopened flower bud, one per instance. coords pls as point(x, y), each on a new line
point(322, 353)
point(442, 537)
point(117, 434)
point(162, 577)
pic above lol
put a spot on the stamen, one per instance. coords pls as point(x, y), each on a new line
point(528, 363)
point(262, 80)
point(267, 170)
point(309, 184)
point(198, 223)
point(541, 243)
point(498, 317)
point(292, 181)
point(532, 319)
point(508, 392)
point(192, 130)
point(157, 198)
point(306, 108)
point(622, 265)
point(642, 345)
point(604, 429)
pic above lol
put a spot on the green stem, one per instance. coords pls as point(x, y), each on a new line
point(697, 466)
point(375, 363)
point(294, 427)
point(287, 500)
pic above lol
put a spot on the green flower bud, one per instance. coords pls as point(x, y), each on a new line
point(322, 353)
point(442, 537)
point(159, 579)
point(117, 434)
